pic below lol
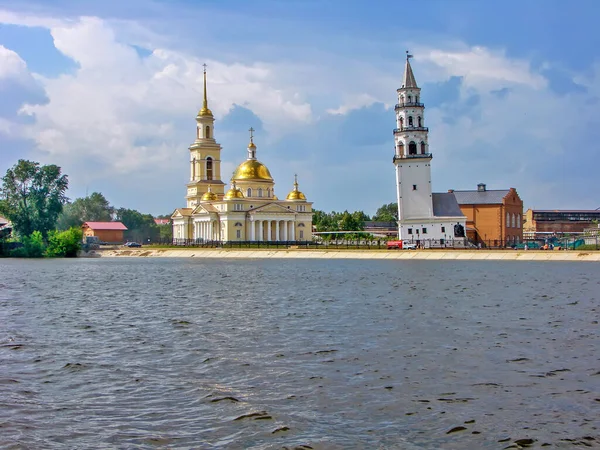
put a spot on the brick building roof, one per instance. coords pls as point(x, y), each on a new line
point(491, 197)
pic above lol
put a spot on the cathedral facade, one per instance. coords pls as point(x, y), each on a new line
point(424, 217)
point(249, 210)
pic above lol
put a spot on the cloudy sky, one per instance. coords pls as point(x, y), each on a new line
point(109, 90)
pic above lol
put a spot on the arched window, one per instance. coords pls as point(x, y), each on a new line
point(260, 192)
point(419, 121)
point(401, 122)
point(412, 148)
point(207, 133)
point(518, 220)
point(400, 149)
point(416, 99)
point(410, 121)
point(249, 192)
point(422, 148)
point(514, 220)
point(409, 99)
point(507, 220)
point(209, 168)
point(268, 192)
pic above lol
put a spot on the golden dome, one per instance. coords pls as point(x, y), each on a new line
point(252, 169)
point(209, 196)
point(251, 145)
point(234, 192)
point(295, 194)
point(205, 112)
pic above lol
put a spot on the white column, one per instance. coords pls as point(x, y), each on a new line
point(293, 230)
point(210, 230)
point(252, 231)
point(260, 230)
point(268, 230)
point(277, 230)
point(285, 230)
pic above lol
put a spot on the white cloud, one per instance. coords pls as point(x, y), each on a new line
point(127, 111)
point(483, 68)
point(354, 102)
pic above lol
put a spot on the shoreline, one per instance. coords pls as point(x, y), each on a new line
point(462, 255)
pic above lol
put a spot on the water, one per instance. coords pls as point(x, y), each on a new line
point(268, 354)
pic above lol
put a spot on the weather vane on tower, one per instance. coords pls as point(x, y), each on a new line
point(205, 66)
point(408, 55)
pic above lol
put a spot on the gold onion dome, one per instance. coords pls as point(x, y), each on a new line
point(295, 194)
point(234, 192)
point(209, 196)
point(252, 169)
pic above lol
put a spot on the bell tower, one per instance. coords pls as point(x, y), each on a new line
point(412, 157)
point(205, 157)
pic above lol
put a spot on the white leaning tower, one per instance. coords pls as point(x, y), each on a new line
point(423, 217)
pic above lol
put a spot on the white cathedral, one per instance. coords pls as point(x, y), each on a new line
point(426, 218)
point(249, 210)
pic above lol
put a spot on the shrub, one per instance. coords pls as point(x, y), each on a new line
point(64, 243)
point(33, 247)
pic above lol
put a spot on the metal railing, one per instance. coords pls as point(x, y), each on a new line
point(420, 155)
point(398, 130)
point(401, 105)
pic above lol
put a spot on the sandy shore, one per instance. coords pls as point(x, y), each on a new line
point(509, 255)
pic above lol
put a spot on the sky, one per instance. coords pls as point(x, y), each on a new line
point(109, 91)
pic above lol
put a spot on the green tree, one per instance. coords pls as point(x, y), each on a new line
point(387, 213)
point(93, 208)
point(32, 196)
point(64, 243)
point(140, 227)
point(33, 246)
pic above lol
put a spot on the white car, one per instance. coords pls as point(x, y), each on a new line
point(409, 246)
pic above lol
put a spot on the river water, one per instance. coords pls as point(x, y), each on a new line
point(272, 354)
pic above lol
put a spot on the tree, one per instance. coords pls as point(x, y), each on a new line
point(32, 196)
point(140, 227)
point(387, 213)
point(93, 208)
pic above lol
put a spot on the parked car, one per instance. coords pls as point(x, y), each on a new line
point(132, 244)
point(409, 246)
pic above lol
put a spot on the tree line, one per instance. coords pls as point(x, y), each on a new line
point(46, 223)
point(351, 221)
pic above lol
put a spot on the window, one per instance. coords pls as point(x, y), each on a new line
point(238, 207)
point(409, 99)
point(518, 220)
point(514, 221)
point(412, 148)
point(260, 192)
point(209, 168)
point(400, 149)
point(410, 231)
point(441, 242)
point(238, 224)
point(268, 192)
point(419, 121)
point(207, 133)
point(301, 234)
point(410, 121)
point(238, 234)
point(301, 225)
point(249, 192)
point(443, 229)
point(424, 230)
point(422, 148)
point(401, 122)
point(416, 99)
point(414, 187)
point(507, 220)
point(301, 208)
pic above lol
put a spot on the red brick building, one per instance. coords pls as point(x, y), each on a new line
point(494, 217)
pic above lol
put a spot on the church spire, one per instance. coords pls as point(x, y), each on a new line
point(409, 78)
point(205, 111)
point(251, 145)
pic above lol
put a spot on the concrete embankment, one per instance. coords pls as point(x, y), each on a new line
point(463, 255)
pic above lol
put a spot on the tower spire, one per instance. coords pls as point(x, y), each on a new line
point(251, 145)
point(205, 111)
point(408, 81)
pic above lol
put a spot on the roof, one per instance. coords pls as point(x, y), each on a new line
point(184, 211)
point(568, 211)
point(487, 197)
point(408, 81)
point(162, 221)
point(3, 220)
point(445, 205)
point(105, 225)
point(377, 224)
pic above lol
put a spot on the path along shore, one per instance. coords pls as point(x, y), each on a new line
point(476, 255)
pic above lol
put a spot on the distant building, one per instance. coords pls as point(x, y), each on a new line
point(162, 221)
point(494, 217)
point(424, 217)
point(111, 232)
point(3, 221)
point(539, 222)
point(381, 229)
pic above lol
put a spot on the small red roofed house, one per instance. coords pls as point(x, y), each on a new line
point(111, 232)
point(162, 221)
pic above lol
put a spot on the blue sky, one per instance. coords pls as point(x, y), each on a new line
point(109, 91)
